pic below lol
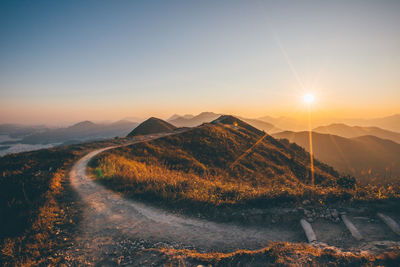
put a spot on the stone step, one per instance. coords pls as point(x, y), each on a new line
point(392, 224)
point(352, 228)
point(308, 231)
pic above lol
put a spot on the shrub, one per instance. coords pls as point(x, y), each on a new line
point(347, 181)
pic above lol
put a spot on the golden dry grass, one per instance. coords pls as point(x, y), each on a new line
point(29, 249)
point(280, 254)
point(138, 178)
point(34, 190)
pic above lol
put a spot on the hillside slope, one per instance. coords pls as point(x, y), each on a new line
point(356, 131)
point(216, 148)
point(366, 157)
point(152, 126)
point(225, 161)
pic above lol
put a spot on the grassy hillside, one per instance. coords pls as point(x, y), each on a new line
point(226, 162)
point(35, 201)
point(152, 126)
point(369, 158)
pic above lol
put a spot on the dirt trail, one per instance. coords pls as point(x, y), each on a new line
point(113, 226)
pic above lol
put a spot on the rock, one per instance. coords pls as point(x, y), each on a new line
point(306, 202)
point(335, 213)
point(310, 220)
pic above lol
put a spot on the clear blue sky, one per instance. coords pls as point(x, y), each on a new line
point(64, 61)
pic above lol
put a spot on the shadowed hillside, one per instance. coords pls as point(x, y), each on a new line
point(367, 157)
point(356, 131)
point(152, 126)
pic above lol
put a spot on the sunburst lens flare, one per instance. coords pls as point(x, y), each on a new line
point(308, 98)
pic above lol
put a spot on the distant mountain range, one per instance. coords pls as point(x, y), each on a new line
point(193, 121)
point(285, 123)
point(391, 123)
point(82, 131)
point(18, 131)
point(176, 116)
point(355, 131)
point(366, 157)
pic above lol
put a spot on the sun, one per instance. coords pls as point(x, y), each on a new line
point(308, 98)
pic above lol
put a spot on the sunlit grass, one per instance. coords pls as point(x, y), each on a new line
point(138, 178)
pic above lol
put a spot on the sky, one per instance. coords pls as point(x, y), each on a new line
point(67, 61)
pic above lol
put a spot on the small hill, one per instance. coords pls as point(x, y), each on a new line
point(231, 121)
point(368, 158)
point(83, 125)
point(152, 126)
point(355, 131)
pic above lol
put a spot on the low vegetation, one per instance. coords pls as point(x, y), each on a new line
point(156, 182)
point(279, 254)
point(35, 202)
point(152, 181)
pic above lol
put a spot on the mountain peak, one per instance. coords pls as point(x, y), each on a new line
point(226, 119)
point(207, 113)
point(151, 126)
point(83, 124)
point(233, 121)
